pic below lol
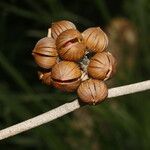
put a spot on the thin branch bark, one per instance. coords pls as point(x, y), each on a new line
point(67, 108)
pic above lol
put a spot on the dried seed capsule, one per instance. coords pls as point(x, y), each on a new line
point(95, 39)
point(66, 76)
point(45, 77)
point(60, 26)
point(70, 45)
point(92, 91)
point(102, 66)
point(45, 53)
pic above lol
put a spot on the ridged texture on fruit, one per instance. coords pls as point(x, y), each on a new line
point(95, 39)
point(66, 76)
point(102, 66)
point(45, 53)
point(92, 91)
point(60, 26)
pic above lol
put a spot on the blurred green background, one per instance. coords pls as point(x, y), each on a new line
point(120, 124)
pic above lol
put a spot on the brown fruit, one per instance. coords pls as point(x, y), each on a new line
point(95, 39)
point(66, 76)
point(60, 26)
point(45, 77)
point(92, 91)
point(45, 53)
point(102, 66)
point(70, 45)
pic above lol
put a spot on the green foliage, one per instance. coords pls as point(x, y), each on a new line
point(120, 124)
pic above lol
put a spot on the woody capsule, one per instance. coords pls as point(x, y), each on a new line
point(62, 55)
point(70, 45)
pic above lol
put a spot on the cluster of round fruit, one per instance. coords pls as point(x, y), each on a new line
point(62, 55)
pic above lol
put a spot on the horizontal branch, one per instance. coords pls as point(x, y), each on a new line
point(67, 108)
